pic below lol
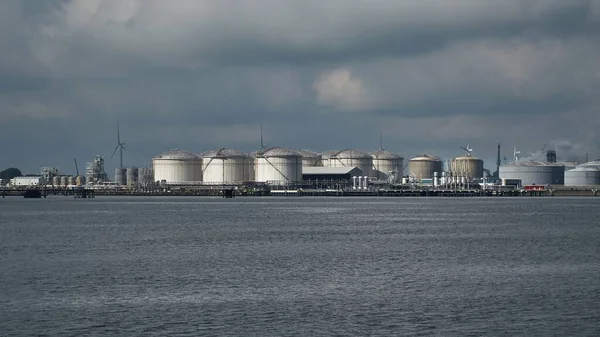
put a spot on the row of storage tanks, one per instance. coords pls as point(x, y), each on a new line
point(68, 180)
point(133, 175)
point(271, 165)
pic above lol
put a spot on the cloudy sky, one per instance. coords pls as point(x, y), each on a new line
point(431, 75)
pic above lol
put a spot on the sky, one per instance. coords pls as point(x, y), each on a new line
point(429, 75)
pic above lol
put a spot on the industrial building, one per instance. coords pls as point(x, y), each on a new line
point(387, 165)
point(28, 181)
point(278, 166)
point(330, 173)
point(177, 167)
point(94, 171)
point(353, 158)
point(533, 172)
point(227, 166)
point(425, 167)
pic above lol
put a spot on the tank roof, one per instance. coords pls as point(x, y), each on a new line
point(177, 154)
point(329, 153)
point(426, 157)
point(532, 163)
point(466, 158)
point(224, 152)
point(308, 153)
point(585, 169)
point(595, 163)
point(384, 154)
point(277, 152)
point(351, 153)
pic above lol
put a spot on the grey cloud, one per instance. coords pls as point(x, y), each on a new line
point(202, 74)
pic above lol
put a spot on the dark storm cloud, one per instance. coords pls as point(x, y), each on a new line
point(318, 74)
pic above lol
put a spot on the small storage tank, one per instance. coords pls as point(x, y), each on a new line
point(424, 167)
point(121, 176)
point(177, 166)
point(56, 180)
point(385, 162)
point(310, 158)
point(278, 166)
point(64, 181)
point(71, 180)
point(326, 157)
point(467, 166)
point(534, 173)
point(227, 166)
point(353, 158)
point(582, 176)
point(80, 180)
point(132, 176)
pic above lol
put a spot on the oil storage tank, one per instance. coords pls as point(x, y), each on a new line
point(56, 180)
point(326, 157)
point(132, 175)
point(467, 166)
point(310, 158)
point(72, 181)
point(227, 166)
point(534, 172)
point(425, 167)
point(353, 158)
point(64, 181)
point(121, 176)
point(386, 162)
point(177, 167)
point(278, 166)
point(582, 176)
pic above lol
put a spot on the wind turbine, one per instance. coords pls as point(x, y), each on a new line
point(516, 154)
point(119, 147)
point(468, 149)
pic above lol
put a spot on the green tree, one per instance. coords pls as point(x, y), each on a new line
point(10, 173)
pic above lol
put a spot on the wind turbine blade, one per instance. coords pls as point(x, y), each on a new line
point(114, 151)
point(123, 147)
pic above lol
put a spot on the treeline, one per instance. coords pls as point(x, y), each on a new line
point(10, 173)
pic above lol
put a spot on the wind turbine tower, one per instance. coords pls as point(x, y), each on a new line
point(119, 147)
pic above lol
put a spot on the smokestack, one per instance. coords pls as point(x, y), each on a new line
point(498, 162)
point(551, 156)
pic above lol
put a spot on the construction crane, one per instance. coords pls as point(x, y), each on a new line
point(76, 167)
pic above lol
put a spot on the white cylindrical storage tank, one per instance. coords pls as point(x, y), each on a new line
point(120, 176)
point(385, 162)
point(353, 158)
point(72, 180)
point(424, 167)
point(278, 166)
point(310, 158)
point(132, 176)
point(467, 166)
point(227, 166)
point(326, 157)
point(64, 180)
point(582, 176)
point(534, 173)
point(56, 180)
point(176, 167)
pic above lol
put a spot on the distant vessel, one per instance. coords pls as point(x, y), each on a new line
point(32, 193)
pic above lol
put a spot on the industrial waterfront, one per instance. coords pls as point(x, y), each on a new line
point(281, 171)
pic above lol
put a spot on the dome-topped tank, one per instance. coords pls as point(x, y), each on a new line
point(227, 166)
point(326, 157)
point(353, 158)
point(467, 166)
point(310, 158)
point(386, 163)
point(583, 176)
point(278, 165)
point(177, 166)
point(424, 167)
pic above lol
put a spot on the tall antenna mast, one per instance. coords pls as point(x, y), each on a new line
point(262, 144)
point(381, 140)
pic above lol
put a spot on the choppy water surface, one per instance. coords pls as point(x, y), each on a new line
point(300, 266)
